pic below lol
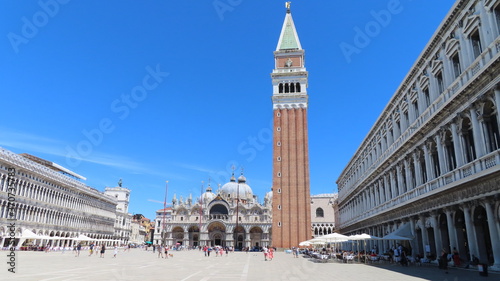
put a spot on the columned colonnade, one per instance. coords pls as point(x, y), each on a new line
point(432, 160)
point(50, 204)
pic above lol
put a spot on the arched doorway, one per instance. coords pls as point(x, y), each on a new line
point(217, 234)
point(194, 236)
point(240, 235)
point(256, 235)
point(178, 236)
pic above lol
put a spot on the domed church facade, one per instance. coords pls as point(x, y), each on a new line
point(231, 217)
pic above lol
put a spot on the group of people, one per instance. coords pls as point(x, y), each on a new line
point(162, 251)
point(219, 250)
point(445, 258)
point(268, 253)
point(94, 250)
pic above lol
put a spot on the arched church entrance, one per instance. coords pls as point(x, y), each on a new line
point(240, 237)
point(178, 236)
point(217, 234)
point(256, 235)
point(194, 236)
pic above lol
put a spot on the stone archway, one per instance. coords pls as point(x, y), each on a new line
point(240, 237)
point(178, 236)
point(256, 236)
point(194, 236)
point(217, 234)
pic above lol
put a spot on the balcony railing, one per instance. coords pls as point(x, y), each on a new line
point(442, 183)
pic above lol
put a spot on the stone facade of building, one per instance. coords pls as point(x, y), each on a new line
point(429, 168)
point(231, 217)
point(42, 204)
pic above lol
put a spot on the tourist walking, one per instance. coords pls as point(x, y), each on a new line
point(103, 250)
point(271, 253)
point(266, 252)
point(160, 252)
point(78, 249)
point(115, 251)
point(456, 258)
point(295, 252)
point(443, 261)
point(403, 259)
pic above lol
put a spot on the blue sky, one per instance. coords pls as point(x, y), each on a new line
point(150, 91)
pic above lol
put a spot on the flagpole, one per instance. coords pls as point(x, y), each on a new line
point(201, 210)
point(163, 234)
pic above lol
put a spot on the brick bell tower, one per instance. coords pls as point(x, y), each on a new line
point(291, 192)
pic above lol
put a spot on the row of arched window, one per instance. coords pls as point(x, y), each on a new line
point(289, 88)
point(458, 54)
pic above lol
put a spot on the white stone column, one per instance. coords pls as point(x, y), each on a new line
point(400, 179)
point(409, 182)
point(492, 226)
point(439, 146)
point(428, 165)
point(381, 190)
point(459, 156)
point(418, 169)
point(425, 237)
point(411, 112)
point(373, 196)
point(393, 184)
point(384, 143)
point(452, 234)
point(437, 233)
point(390, 137)
point(387, 187)
point(476, 131)
point(412, 242)
point(471, 233)
point(397, 131)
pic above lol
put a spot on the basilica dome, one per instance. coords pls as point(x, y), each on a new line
point(240, 189)
point(208, 196)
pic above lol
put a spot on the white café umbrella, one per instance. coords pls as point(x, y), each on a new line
point(305, 243)
point(395, 237)
point(335, 237)
point(317, 241)
point(363, 237)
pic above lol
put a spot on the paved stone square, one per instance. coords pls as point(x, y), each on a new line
point(193, 265)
